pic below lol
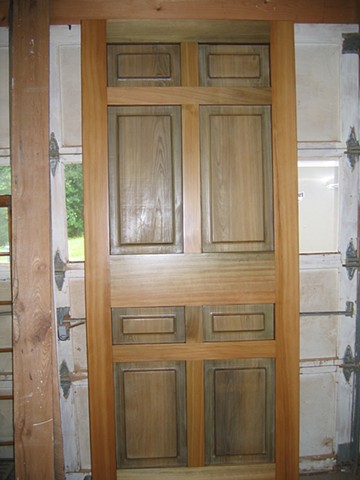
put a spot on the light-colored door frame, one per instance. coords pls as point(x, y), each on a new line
point(97, 270)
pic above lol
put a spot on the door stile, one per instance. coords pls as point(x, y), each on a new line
point(97, 286)
point(286, 249)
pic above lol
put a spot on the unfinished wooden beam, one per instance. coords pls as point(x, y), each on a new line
point(298, 11)
point(31, 261)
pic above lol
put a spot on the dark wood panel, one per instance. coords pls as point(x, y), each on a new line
point(239, 397)
point(148, 325)
point(150, 414)
point(145, 180)
point(236, 179)
point(143, 65)
point(238, 322)
point(234, 65)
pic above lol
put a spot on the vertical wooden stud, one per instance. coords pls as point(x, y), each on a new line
point(97, 291)
point(286, 249)
point(31, 252)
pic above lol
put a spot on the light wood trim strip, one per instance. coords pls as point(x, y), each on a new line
point(286, 251)
point(169, 279)
point(241, 472)
point(189, 95)
point(31, 260)
point(97, 288)
point(195, 407)
point(191, 152)
point(195, 352)
point(191, 178)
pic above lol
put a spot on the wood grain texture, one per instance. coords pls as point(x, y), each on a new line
point(192, 351)
point(192, 279)
point(239, 400)
point(188, 31)
point(150, 414)
point(236, 179)
point(302, 11)
point(286, 241)
point(31, 259)
point(64, 12)
point(145, 179)
point(191, 178)
point(95, 171)
point(243, 472)
point(189, 96)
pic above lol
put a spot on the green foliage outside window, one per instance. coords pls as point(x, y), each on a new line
point(5, 189)
point(74, 211)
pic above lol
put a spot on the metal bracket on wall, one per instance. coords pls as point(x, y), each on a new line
point(349, 364)
point(348, 312)
point(65, 323)
point(352, 261)
point(352, 148)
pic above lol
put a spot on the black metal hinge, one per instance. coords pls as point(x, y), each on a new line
point(349, 364)
point(352, 148)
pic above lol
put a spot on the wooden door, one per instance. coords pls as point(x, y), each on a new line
point(191, 249)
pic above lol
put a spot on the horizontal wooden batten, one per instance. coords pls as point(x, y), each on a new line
point(200, 351)
point(240, 472)
point(202, 31)
point(189, 95)
point(191, 279)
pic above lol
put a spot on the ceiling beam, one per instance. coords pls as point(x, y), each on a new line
point(299, 11)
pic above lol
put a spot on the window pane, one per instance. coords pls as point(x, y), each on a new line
point(74, 211)
point(5, 180)
point(4, 234)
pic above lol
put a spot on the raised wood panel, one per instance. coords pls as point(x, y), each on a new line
point(145, 180)
point(143, 65)
point(236, 179)
point(238, 322)
point(150, 414)
point(239, 398)
point(148, 325)
point(234, 65)
point(189, 96)
point(171, 279)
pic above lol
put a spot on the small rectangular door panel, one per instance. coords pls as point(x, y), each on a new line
point(148, 325)
point(234, 65)
point(236, 179)
point(143, 65)
point(145, 179)
point(150, 414)
point(238, 322)
point(239, 403)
